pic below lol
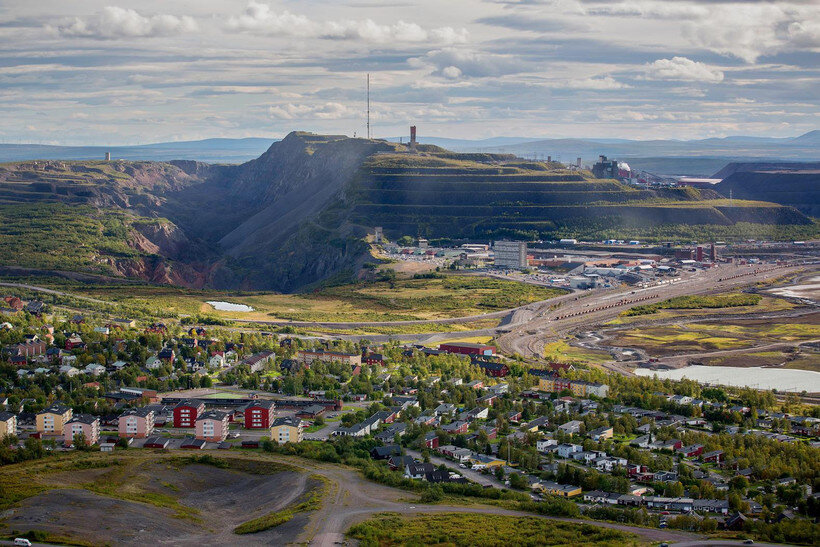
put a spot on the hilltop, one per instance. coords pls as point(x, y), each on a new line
point(298, 214)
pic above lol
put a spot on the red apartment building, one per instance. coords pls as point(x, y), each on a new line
point(259, 414)
point(187, 412)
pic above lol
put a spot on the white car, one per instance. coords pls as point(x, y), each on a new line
point(22, 541)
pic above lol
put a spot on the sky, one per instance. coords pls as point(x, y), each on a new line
point(110, 72)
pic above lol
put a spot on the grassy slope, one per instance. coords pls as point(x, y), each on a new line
point(57, 236)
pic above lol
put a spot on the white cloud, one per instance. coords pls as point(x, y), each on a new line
point(115, 22)
point(657, 10)
point(451, 72)
point(683, 69)
point(805, 33)
point(749, 31)
point(601, 84)
point(326, 111)
point(472, 64)
point(260, 18)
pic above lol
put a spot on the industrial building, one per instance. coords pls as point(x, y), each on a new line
point(510, 254)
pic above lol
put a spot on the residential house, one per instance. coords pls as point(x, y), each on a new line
point(82, 424)
point(456, 427)
point(536, 424)
point(543, 444)
point(257, 361)
point(490, 368)
point(691, 451)
point(418, 470)
point(212, 426)
point(567, 450)
point(711, 506)
point(573, 426)
point(444, 409)
point(461, 455)
point(385, 452)
point(556, 489)
point(601, 434)
point(286, 430)
point(715, 456)
point(599, 496)
point(608, 463)
point(74, 342)
point(683, 505)
point(136, 423)
point(482, 461)
point(95, 369)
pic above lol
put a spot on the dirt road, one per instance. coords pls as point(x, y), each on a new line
point(352, 499)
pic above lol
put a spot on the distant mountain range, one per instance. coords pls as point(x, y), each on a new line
point(666, 157)
point(207, 150)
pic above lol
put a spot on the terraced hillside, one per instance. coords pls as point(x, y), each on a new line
point(439, 195)
point(298, 214)
point(794, 184)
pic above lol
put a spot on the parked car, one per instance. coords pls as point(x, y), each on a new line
point(23, 542)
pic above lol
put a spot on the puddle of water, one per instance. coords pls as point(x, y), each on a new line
point(228, 306)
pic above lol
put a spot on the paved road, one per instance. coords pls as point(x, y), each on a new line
point(529, 339)
point(475, 476)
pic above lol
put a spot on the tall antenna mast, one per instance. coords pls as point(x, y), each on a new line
point(368, 106)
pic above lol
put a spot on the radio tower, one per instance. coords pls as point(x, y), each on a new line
point(368, 106)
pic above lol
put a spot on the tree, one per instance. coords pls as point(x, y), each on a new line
point(518, 481)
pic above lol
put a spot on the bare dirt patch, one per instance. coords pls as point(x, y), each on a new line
point(164, 502)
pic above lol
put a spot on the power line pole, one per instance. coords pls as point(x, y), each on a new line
point(368, 106)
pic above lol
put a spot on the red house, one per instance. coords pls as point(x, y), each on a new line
point(716, 456)
point(431, 440)
point(496, 370)
point(259, 414)
point(73, 341)
point(468, 349)
point(374, 359)
point(691, 451)
point(186, 413)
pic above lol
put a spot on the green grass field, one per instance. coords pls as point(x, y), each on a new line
point(466, 529)
point(562, 352)
point(405, 299)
